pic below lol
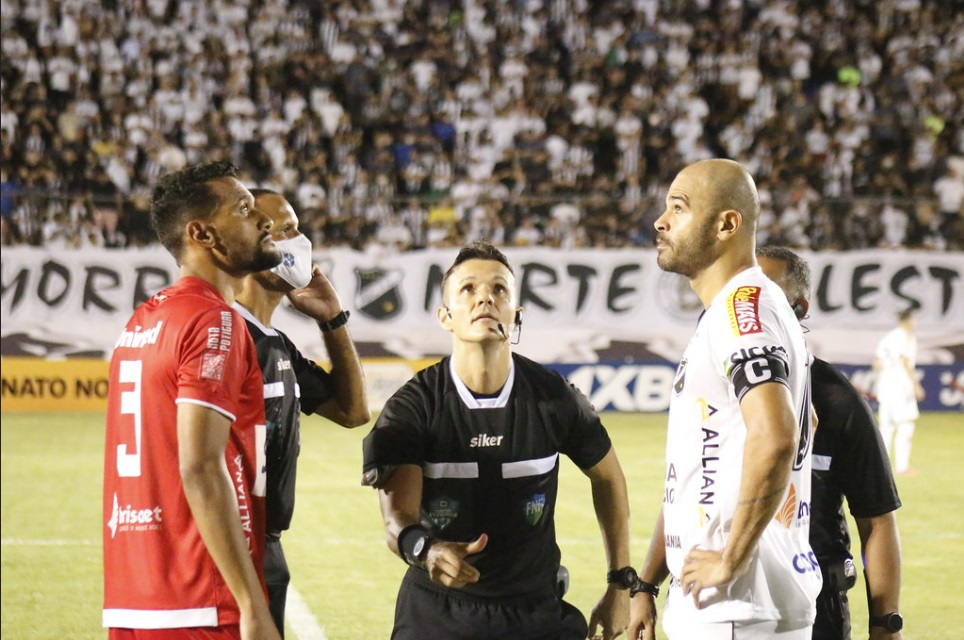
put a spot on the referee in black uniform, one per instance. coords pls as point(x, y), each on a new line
point(466, 458)
point(849, 461)
point(294, 384)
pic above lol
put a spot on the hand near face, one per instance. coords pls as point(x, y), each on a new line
point(319, 299)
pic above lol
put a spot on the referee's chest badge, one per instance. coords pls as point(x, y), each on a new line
point(442, 511)
point(534, 508)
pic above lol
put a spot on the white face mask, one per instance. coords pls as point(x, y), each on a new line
point(295, 265)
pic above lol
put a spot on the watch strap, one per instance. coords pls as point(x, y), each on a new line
point(407, 539)
point(891, 621)
point(337, 322)
point(642, 586)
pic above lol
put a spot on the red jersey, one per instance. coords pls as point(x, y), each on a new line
point(183, 345)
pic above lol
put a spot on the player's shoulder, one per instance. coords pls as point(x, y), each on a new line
point(825, 374)
point(538, 375)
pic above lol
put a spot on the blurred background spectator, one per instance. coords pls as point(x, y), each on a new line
point(432, 122)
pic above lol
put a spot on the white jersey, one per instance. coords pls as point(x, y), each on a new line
point(896, 392)
point(747, 336)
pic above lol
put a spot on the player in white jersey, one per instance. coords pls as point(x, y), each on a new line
point(898, 389)
point(734, 527)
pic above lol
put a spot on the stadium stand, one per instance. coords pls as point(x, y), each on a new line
point(432, 122)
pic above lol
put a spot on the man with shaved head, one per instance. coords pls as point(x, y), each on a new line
point(733, 531)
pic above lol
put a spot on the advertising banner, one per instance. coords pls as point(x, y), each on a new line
point(579, 306)
point(34, 384)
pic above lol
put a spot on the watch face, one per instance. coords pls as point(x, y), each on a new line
point(419, 547)
point(629, 577)
point(895, 622)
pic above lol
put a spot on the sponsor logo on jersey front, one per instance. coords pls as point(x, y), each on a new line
point(442, 511)
point(139, 337)
point(805, 562)
point(794, 510)
point(788, 511)
point(485, 440)
point(534, 507)
point(743, 308)
point(710, 465)
point(130, 518)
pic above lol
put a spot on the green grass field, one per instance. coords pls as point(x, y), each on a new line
point(51, 569)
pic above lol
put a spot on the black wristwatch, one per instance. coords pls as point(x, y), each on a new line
point(627, 578)
point(892, 622)
point(624, 578)
point(414, 542)
point(335, 323)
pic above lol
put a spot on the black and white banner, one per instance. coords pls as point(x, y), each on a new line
point(580, 306)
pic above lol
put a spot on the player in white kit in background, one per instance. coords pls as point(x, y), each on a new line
point(898, 390)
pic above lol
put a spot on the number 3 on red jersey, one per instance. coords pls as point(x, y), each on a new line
point(129, 464)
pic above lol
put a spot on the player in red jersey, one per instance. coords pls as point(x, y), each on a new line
point(184, 465)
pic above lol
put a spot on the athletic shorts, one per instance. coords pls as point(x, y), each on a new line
point(761, 630)
point(427, 610)
point(227, 632)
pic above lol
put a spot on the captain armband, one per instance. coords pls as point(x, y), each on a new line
point(758, 367)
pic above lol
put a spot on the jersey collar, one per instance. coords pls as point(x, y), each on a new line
point(471, 402)
point(247, 315)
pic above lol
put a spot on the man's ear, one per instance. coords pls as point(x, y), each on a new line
point(200, 233)
point(444, 317)
point(730, 222)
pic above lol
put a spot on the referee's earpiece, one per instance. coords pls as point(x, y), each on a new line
point(518, 319)
point(448, 313)
point(799, 311)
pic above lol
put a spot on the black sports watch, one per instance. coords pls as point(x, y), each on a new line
point(624, 578)
point(627, 578)
point(414, 542)
point(892, 622)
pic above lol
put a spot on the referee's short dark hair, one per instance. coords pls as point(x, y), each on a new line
point(798, 271)
point(183, 196)
point(480, 250)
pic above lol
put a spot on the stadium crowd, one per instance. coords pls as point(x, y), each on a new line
point(417, 123)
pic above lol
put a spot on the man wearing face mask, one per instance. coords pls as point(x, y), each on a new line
point(294, 384)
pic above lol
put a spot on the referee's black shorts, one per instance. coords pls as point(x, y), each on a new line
point(428, 610)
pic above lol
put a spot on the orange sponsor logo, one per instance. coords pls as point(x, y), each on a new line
point(743, 307)
point(788, 511)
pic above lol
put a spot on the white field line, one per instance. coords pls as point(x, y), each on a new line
point(299, 617)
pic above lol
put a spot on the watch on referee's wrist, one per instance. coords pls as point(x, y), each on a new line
point(413, 544)
point(892, 622)
point(337, 322)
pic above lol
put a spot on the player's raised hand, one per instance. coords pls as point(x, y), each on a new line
point(446, 563)
point(319, 299)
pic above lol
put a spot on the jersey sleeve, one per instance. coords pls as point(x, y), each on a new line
point(315, 384)
point(214, 356)
point(587, 440)
point(748, 342)
point(397, 437)
point(861, 467)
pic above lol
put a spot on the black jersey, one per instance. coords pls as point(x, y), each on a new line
point(491, 465)
point(292, 383)
point(849, 460)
